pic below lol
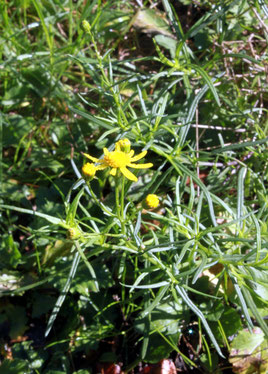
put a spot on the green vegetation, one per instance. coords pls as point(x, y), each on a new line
point(94, 273)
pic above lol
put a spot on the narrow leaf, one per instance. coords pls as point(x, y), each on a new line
point(54, 220)
point(63, 294)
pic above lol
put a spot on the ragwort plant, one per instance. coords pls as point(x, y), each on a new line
point(158, 245)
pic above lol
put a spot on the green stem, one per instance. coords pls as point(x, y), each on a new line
point(122, 197)
point(117, 198)
point(101, 205)
point(120, 202)
point(109, 84)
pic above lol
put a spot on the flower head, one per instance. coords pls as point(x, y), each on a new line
point(119, 159)
point(152, 201)
point(89, 170)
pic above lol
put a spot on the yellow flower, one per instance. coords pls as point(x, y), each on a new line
point(89, 170)
point(152, 201)
point(120, 159)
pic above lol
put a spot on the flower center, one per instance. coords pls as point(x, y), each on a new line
point(117, 159)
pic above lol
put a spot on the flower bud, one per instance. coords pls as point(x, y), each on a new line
point(89, 170)
point(73, 233)
point(151, 201)
point(86, 26)
point(123, 145)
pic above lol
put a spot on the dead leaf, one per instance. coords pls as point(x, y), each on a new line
point(163, 367)
point(109, 368)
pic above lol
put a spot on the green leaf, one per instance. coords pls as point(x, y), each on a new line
point(10, 254)
point(27, 352)
point(246, 342)
point(14, 367)
point(259, 282)
point(94, 120)
point(208, 81)
point(38, 7)
point(234, 147)
point(212, 309)
point(253, 307)
point(63, 294)
point(84, 284)
point(89, 266)
point(165, 318)
point(249, 351)
point(70, 218)
point(41, 304)
point(151, 21)
point(159, 348)
point(54, 220)
point(16, 318)
point(240, 194)
point(210, 362)
point(56, 250)
point(186, 171)
point(231, 322)
point(168, 43)
point(198, 312)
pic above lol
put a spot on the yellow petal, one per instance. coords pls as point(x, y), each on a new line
point(105, 151)
point(94, 159)
point(101, 167)
point(141, 166)
point(128, 174)
point(139, 156)
point(113, 171)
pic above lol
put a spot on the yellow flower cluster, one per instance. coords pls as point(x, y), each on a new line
point(118, 160)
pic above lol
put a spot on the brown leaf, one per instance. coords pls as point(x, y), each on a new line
point(163, 367)
point(109, 368)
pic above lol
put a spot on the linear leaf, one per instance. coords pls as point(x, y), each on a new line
point(201, 267)
point(63, 294)
point(54, 220)
point(88, 265)
point(147, 286)
point(254, 310)
point(207, 80)
point(186, 171)
point(88, 116)
point(234, 147)
point(198, 312)
point(240, 194)
point(156, 301)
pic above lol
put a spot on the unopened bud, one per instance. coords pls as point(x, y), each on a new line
point(123, 145)
point(86, 26)
point(89, 170)
point(151, 201)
